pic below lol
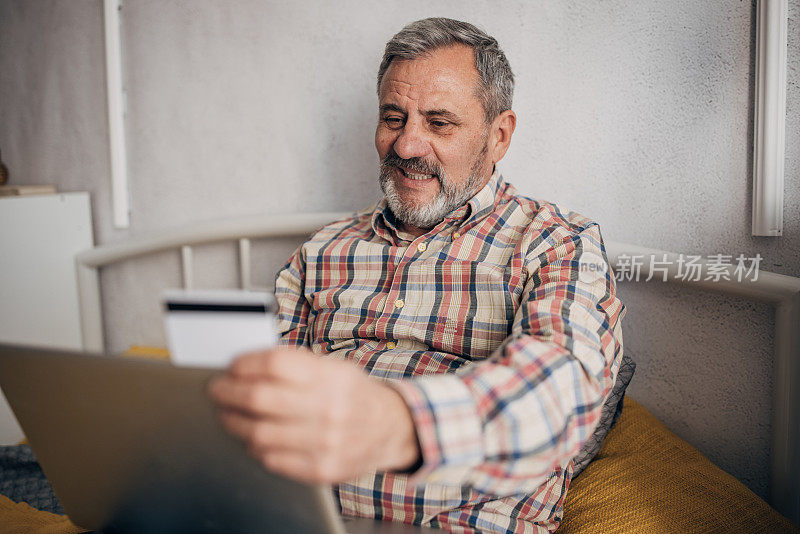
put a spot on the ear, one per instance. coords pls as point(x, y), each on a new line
point(502, 129)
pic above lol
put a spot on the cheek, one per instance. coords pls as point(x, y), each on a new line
point(377, 138)
point(383, 141)
point(459, 156)
point(453, 156)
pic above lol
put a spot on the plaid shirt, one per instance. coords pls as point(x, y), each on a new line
point(502, 346)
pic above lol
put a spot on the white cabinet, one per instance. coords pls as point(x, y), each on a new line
point(39, 237)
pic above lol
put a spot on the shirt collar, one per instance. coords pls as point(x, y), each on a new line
point(485, 200)
point(386, 225)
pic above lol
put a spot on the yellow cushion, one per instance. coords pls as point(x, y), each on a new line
point(146, 351)
point(647, 479)
point(19, 517)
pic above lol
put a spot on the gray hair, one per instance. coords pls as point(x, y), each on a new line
point(496, 90)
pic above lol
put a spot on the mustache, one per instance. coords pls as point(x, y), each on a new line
point(417, 165)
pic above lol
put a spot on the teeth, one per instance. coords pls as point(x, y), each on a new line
point(418, 176)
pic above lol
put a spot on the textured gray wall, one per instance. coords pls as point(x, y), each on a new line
point(638, 114)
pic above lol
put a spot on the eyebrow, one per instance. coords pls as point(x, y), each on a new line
point(446, 114)
point(391, 107)
point(449, 115)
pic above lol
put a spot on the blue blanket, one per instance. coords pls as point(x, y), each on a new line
point(22, 479)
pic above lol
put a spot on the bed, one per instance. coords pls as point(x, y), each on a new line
point(644, 479)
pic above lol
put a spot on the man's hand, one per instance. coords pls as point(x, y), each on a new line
point(313, 419)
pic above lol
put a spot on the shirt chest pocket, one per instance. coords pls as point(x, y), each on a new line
point(471, 307)
point(343, 313)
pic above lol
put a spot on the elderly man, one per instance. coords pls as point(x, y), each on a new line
point(465, 354)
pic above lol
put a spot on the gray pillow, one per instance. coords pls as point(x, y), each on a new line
point(608, 416)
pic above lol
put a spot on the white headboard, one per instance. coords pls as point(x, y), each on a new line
point(781, 291)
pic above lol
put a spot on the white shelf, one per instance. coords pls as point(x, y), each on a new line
point(39, 238)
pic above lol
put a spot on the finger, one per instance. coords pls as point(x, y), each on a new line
point(301, 466)
point(259, 398)
point(283, 363)
point(263, 436)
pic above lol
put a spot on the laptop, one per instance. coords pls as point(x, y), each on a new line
point(134, 445)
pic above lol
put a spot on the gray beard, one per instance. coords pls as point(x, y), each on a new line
point(449, 198)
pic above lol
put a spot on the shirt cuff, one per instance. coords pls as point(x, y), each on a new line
point(448, 428)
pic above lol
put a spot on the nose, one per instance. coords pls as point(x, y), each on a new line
point(412, 142)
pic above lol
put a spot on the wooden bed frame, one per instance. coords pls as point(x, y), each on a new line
point(781, 291)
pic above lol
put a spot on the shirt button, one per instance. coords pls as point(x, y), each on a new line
point(421, 247)
point(399, 303)
point(390, 345)
point(456, 235)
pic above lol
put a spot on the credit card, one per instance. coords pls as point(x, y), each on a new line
point(209, 328)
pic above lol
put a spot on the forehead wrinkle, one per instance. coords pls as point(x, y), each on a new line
point(402, 90)
point(424, 85)
point(428, 105)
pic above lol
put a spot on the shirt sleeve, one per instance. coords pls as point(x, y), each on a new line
point(293, 307)
point(503, 425)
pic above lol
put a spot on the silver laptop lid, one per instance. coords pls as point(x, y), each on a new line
point(134, 445)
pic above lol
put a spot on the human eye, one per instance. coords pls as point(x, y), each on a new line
point(393, 121)
point(440, 124)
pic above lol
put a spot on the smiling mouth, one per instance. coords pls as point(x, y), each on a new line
point(415, 175)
